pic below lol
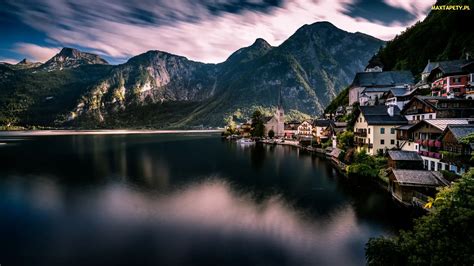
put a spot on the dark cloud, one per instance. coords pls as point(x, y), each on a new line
point(378, 11)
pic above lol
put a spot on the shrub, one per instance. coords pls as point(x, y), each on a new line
point(445, 236)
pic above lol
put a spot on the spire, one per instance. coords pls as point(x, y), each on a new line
point(280, 105)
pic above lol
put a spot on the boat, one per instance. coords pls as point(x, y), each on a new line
point(245, 141)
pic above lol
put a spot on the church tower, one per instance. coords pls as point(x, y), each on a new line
point(280, 116)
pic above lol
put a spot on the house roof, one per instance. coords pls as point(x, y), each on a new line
point(433, 102)
point(335, 152)
point(449, 67)
point(321, 123)
point(378, 115)
point(404, 155)
point(339, 124)
point(460, 131)
point(267, 118)
point(382, 79)
point(419, 178)
point(406, 127)
point(377, 89)
point(430, 67)
point(441, 124)
point(401, 91)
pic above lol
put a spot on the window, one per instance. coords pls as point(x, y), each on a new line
point(432, 165)
point(413, 118)
point(368, 141)
point(422, 116)
point(382, 142)
point(439, 167)
point(446, 167)
point(425, 165)
point(392, 141)
point(369, 130)
point(392, 130)
point(382, 130)
point(431, 116)
point(417, 117)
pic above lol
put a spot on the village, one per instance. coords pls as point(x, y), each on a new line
point(412, 138)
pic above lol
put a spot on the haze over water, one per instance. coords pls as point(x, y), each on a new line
point(180, 199)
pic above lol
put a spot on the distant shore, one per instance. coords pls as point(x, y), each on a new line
point(99, 132)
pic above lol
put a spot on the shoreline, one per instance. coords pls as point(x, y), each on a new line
point(62, 132)
point(339, 166)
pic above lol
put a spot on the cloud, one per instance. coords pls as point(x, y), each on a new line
point(35, 52)
point(8, 60)
point(206, 31)
point(416, 7)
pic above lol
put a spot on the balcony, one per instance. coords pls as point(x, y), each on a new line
point(414, 111)
point(362, 134)
point(430, 154)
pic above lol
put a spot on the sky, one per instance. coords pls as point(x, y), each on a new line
point(202, 30)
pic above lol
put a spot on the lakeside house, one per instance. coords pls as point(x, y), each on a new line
point(399, 96)
point(245, 130)
point(375, 126)
point(414, 186)
point(305, 130)
point(433, 107)
point(367, 88)
point(455, 153)
point(404, 160)
point(424, 138)
point(333, 129)
point(291, 129)
point(319, 127)
point(450, 77)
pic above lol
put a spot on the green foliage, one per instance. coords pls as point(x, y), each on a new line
point(327, 143)
point(467, 139)
point(231, 126)
point(271, 133)
point(445, 236)
point(367, 166)
point(416, 45)
point(345, 140)
point(383, 252)
point(258, 127)
point(342, 99)
point(361, 169)
point(448, 175)
point(39, 98)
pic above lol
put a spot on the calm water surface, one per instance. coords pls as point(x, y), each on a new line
point(175, 199)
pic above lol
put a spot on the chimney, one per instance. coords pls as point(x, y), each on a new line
point(390, 110)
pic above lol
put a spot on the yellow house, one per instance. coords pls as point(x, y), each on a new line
point(374, 129)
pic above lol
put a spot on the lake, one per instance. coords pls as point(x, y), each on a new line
point(181, 199)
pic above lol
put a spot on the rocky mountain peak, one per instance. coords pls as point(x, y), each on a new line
point(72, 58)
point(24, 62)
point(261, 43)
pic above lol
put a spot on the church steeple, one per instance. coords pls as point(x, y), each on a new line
point(280, 105)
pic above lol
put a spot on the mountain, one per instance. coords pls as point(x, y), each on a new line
point(161, 90)
point(442, 35)
point(72, 58)
point(23, 64)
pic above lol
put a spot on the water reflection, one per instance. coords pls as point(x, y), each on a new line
point(181, 200)
point(208, 221)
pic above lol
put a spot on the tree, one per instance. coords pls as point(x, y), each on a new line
point(345, 140)
point(445, 236)
point(231, 126)
point(271, 133)
point(258, 127)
